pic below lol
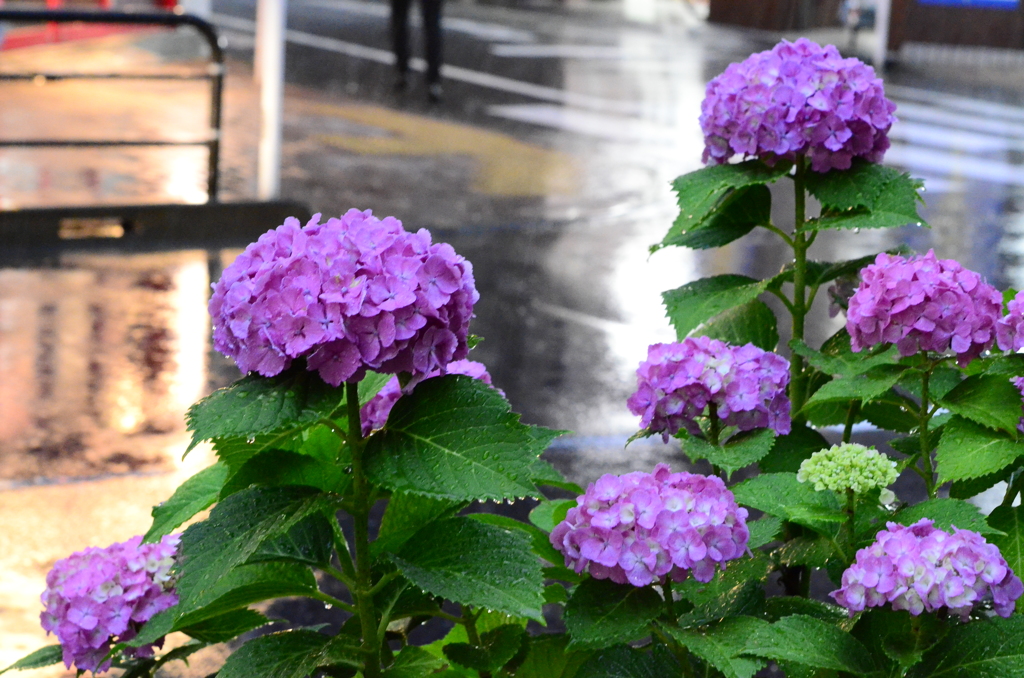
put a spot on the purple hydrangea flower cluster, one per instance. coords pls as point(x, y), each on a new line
point(678, 382)
point(374, 414)
point(921, 567)
point(798, 98)
point(639, 527)
point(99, 596)
point(922, 303)
point(348, 295)
point(1010, 328)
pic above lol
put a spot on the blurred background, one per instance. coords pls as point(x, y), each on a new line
point(546, 161)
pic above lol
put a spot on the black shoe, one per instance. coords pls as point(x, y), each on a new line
point(434, 92)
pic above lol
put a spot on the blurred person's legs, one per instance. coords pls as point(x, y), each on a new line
point(431, 10)
point(400, 40)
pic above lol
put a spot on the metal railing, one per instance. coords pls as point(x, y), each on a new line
point(214, 74)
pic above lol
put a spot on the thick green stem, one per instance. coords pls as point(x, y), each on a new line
point(361, 491)
point(714, 424)
point(926, 448)
point(851, 418)
point(670, 603)
point(850, 527)
point(469, 621)
point(797, 379)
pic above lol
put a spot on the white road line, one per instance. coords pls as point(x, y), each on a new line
point(988, 109)
point(561, 52)
point(458, 73)
point(947, 118)
point(945, 164)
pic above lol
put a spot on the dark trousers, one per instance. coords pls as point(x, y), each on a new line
point(431, 10)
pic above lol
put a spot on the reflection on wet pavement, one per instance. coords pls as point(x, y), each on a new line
point(547, 165)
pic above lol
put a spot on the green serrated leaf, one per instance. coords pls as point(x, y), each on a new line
point(1010, 521)
point(991, 648)
point(601, 613)
point(235, 530)
point(413, 662)
point(895, 204)
point(225, 627)
point(763, 531)
point(753, 322)
point(791, 450)
point(841, 360)
point(811, 551)
point(740, 451)
point(290, 654)
point(406, 515)
point(477, 564)
point(695, 303)
point(44, 656)
point(1011, 365)
point(543, 473)
point(989, 400)
point(548, 656)
point(738, 213)
point(726, 585)
point(540, 543)
point(496, 648)
point(946, 513)
point(858, 186)
point(623, 661)
point(810, 641)
point(864, 387)
point(965, 489)
point(455, 438)
point(702, 191)
point(279, 467)
point(969, 450)
point(194, 495)
point(309, 542)
point(743, 599)
point(892, 412)
point(786, 606)
point(547, 514)
point(722, 643)
point(783, 496)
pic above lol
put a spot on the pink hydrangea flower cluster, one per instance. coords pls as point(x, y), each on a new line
point(96, 597)
point(1019, 383)
point(798, 98)
point(921, 567)
point(639, 527)
point(1010, 328)
point(348, 295)
point(374, 414)
point(922, 303)
point(678, 382)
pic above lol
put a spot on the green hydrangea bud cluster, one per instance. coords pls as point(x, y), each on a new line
point(848, 467)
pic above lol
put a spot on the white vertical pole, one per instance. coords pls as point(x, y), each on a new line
point(883, 11)
point(271, 16)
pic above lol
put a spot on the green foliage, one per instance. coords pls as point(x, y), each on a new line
point(864, 387)
point(946, 513)
point(290, 654)
point(991, 648)
point(548, 656)
point(743, 599)
point(726, 590)
point(413, 662)
point(970, 450)
point(310, 542)
point(477, 564)
point(989, 400)
point(866, 196)
point(1010, 521)
point(44, 656)
point(280, 467)
point(785, 606)
point(763, 531)
point(623, 661)
point(738, 452)
point(813, 551)
point(406, 515)
point(722, 644)
point(965, 489)
point(601, 613)
point(810, 641)
point(695, 303)
point(790, 450)
point(225, 627)
point(547, 514)
point(255, 404)
point(752, 322)
point(543, 473)
point(783, 496)
point(235, 530)
point(896, 639)
point(836, 357)
point(455, 438)
point(739, 212)
point(194, 495)
point(702, 192)
point(496, 648)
